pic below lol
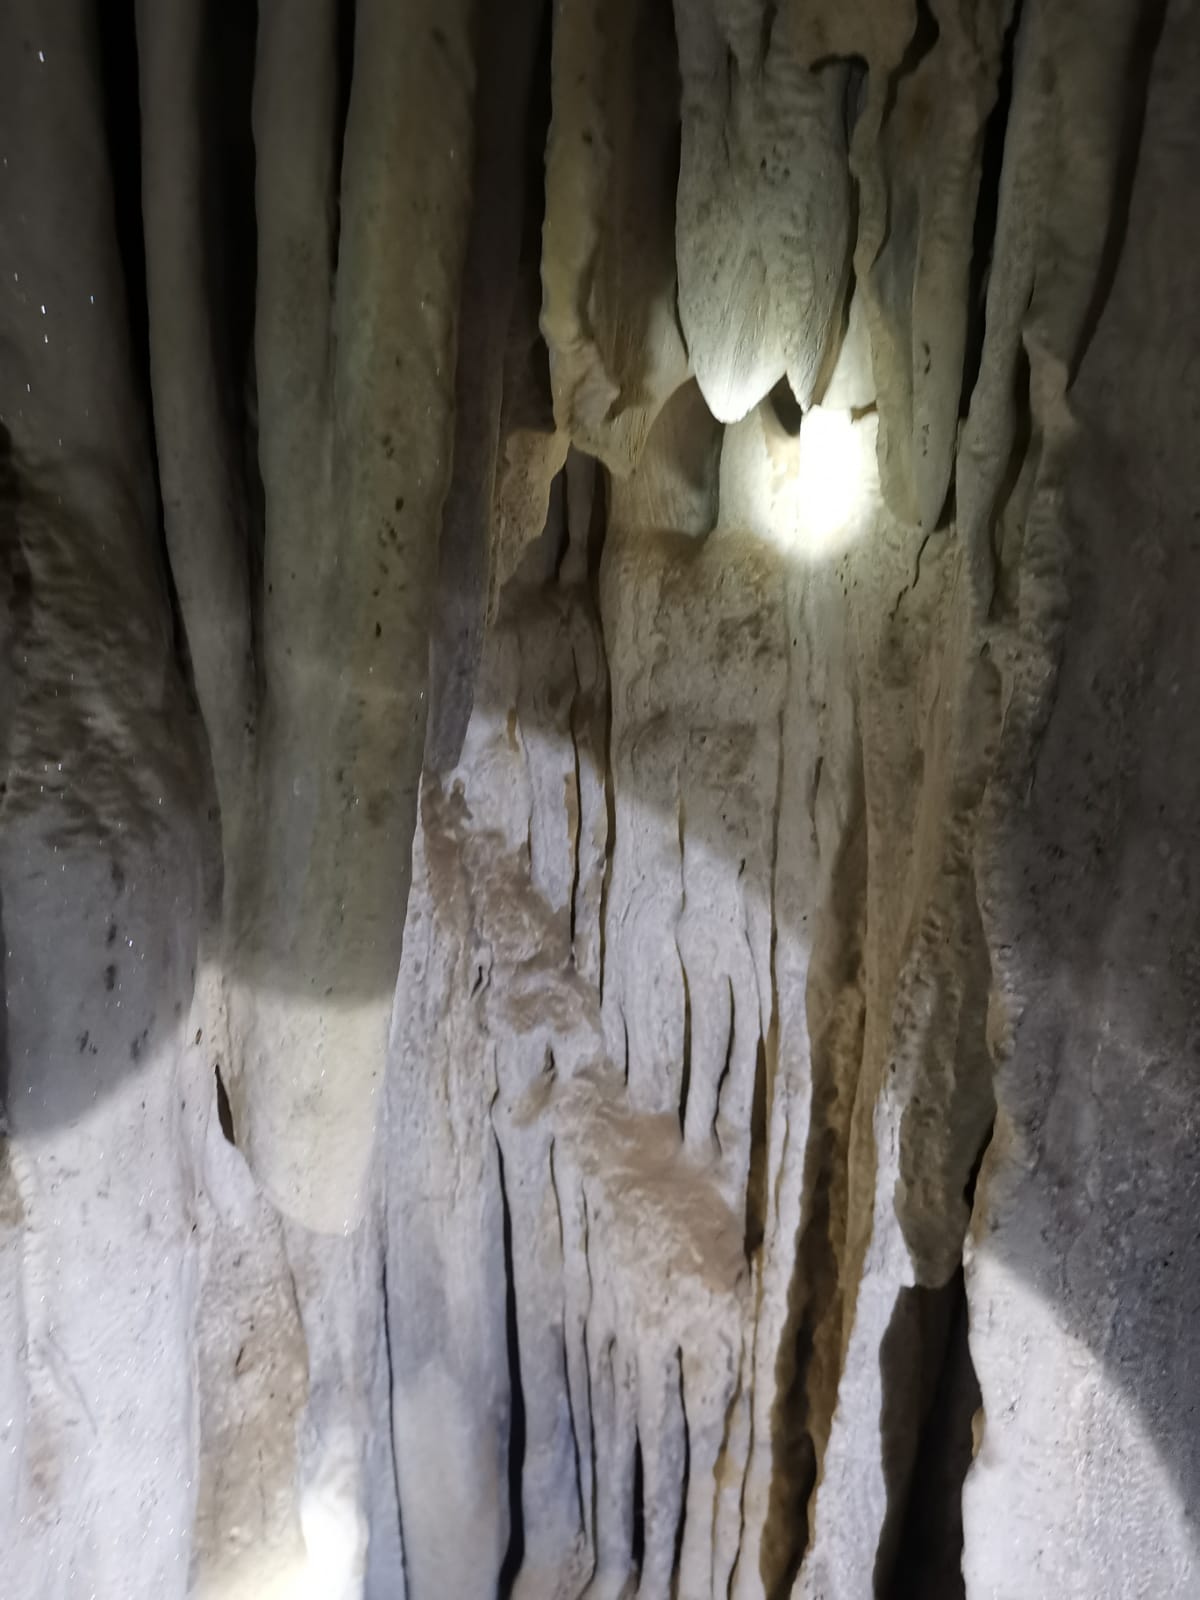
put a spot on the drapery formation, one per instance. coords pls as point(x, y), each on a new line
point(599, 798)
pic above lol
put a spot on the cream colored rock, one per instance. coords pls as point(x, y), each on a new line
point(917, 154)
point(311, 651)
point(785, 1173)
point(608, 260)
point(764, 222)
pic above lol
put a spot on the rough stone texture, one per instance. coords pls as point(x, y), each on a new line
point(756, 1158)
point(608, 262)
point(1085, 1245)
point(307, 636)
point(764, 218)
point(99, 879)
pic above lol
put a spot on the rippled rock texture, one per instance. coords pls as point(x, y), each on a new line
point(598, 825)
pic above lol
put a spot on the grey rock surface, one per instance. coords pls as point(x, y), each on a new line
point(714, 1113)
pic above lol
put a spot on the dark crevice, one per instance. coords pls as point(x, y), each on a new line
point(787, 410)
point(514, 1555)
point(931, 1395)
point(578, 1459)
point(807, 1362)
point(638, 1548)
point(987, 207)
point(852, 108)
point(595, 550)
point(685, 1083)
point(224, 1110)
point(766, 29)
point(635, 261)
point(530, 402)
point(230, 232)
point(597, 530)
point(542, 558)
point(391, 1391)
point(687, 1476)
point(756, 1183)
point(854, 96)
point(977, 1165)
point(229, 267)
point(557, 531)
point(794, 1462)
point(593, 1487)
point(727, 1064)
point(924, 37)
point(506, 47)
point(118, 50)
point(117, 25)
point(345, 76)
point(576, 724)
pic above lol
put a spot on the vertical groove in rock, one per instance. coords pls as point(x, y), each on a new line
point(610, 811)
point(921, 1546)
point(756, 1179)
point(390, 1372)
point(983, 242)
point(515, 1551)
point(118, 51)
point(507, 49)
point(344, 56)
point(686, 1483)
point(685, 1071)
point(809, 1356)
point(637, 1548)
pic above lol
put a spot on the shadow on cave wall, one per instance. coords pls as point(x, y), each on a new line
point(15, 576)
point(1097, 884)
point(1095, 880)
point(1093, 888)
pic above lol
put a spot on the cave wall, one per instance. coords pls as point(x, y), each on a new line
point(598, 817)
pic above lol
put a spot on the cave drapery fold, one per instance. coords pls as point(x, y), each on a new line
point(598, 799)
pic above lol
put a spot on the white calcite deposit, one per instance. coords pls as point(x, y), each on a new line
point(599, 775)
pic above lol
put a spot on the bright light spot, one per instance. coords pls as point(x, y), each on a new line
point(255, 1575)
point(811, 495)
point(335, 1539)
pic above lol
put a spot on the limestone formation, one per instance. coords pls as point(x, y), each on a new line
point(598, 812)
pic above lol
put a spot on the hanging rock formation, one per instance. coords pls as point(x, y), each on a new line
point(598, 812)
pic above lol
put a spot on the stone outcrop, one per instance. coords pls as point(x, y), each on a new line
point(597, 823)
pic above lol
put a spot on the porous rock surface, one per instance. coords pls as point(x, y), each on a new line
point(598, 813)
